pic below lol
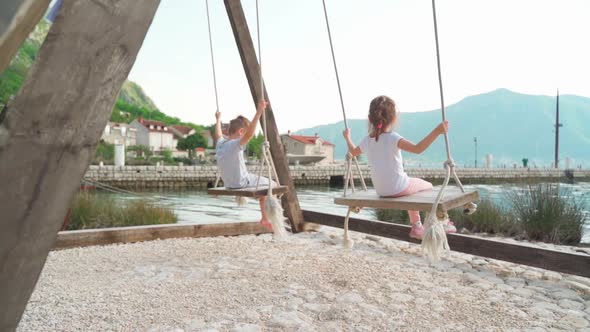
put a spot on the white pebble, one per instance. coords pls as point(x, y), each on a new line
point(573, 322)
point(350, 298)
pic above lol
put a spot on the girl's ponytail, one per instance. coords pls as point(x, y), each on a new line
point(381, 115)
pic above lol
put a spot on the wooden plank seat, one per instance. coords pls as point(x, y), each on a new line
point(247, 191)
point(422, 201)
point(453, 198)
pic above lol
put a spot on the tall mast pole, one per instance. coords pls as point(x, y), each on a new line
point(557, 125)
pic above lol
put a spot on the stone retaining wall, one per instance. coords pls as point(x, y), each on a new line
point(138, 177)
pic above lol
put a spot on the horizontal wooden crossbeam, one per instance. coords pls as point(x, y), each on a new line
point(572, 263)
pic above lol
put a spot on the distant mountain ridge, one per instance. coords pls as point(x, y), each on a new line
point(509, 125)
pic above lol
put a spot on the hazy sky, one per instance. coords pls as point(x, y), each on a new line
point(382, 47)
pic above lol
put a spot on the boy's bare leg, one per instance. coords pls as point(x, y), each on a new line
point(264, 221)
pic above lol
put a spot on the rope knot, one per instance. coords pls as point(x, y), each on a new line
point(450, 163)
point(266, 145)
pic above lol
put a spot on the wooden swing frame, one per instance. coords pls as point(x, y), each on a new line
point(42, 165)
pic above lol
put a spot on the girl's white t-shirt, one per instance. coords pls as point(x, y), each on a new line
point(385, 159)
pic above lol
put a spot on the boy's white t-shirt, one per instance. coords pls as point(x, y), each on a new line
point(385, 159)
point(231, 164)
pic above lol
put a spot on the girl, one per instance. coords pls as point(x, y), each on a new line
point(383, 149)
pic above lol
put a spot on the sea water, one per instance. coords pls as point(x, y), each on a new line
point(196, 206)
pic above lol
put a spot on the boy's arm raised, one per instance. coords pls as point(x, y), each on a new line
point(218, 132)
point(408, 146)
point(251, 130)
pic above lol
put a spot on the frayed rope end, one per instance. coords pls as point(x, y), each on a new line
point(274, 211)
point(434, 240)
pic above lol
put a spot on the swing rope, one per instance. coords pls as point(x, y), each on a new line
point(434, 241)
point(212, 56)
point(214, 73)
point(350, 159)
point(266, 154)
point(272, 206)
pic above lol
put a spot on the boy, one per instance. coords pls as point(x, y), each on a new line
point(230, 155)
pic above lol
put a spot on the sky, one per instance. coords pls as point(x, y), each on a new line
point(382, 47)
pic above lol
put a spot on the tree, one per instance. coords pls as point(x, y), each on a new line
point(141, 151)
point(255, 146)
point(190, 143)
point(105, 152)
point(167, 155)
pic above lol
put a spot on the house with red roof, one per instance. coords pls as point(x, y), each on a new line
point(154, 134)
point(182, 131)
point(307, 149)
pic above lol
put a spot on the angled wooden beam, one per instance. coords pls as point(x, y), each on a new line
point(565, 262)
point(245, 45)
point(17, 20)
point(49, 132)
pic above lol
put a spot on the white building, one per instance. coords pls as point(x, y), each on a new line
point(307, 149)
point(154, 134)
point(119, 133)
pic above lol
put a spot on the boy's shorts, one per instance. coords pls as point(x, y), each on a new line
point(263, 182)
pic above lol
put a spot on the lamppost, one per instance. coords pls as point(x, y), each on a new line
point(475, 142)
point(557, 125)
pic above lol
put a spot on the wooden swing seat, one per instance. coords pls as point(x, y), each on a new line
point(247, 191)
point(422, 201)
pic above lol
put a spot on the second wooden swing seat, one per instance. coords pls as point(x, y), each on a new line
point(250, 192)
point(452, 198)
point(422, 201)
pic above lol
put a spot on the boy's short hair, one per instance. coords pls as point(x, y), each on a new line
point(238, 123)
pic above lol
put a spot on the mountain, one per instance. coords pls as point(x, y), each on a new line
point(132, 103)
point(509, 125)
point(133, 94)
point(14, 75)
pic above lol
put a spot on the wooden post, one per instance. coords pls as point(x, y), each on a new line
point(245, 45)
point(49, 132)
point(17, 20)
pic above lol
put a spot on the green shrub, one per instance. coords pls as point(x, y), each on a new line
point(489, 218)
point(140, 151)
point(105, 152)
point(540, 212)
point(549, 213)
point(100, 211)
point(167, 155)
point(394, 216)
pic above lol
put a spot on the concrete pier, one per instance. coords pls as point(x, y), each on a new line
point(146, 177)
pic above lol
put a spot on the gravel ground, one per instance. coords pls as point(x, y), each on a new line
point(251, 283)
